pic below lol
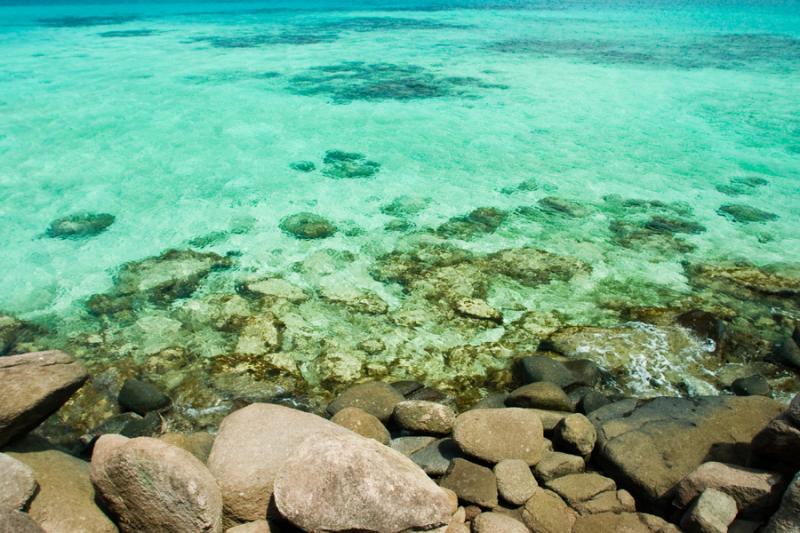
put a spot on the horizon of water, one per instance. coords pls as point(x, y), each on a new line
point(182, 120)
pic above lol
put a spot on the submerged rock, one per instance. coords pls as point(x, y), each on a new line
point(79, 225)
point(376, 398)
point(736, 277)
point(405, 206)
point(307, 226)
point(745, 213)
point(339, 164)
point(480, 221)
point(742, 185)
point(303, 166)
point(10, 329)
point(562, 206)
point(478, 309)
point(659, 224)
point(141, 397)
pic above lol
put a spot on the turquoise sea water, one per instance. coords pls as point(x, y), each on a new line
point(182, 120)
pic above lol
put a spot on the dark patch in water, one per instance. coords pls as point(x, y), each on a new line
point(80, 22)
point(227, 76)
point(303, 166)
point(266, 39)
point(356, 80)
point(739, 185)
point(348, 165)
point(367, 24)
point(744, 214)
point(129, 33)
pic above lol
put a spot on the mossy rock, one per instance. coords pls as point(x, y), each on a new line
point(79, 226)
point(307, 225)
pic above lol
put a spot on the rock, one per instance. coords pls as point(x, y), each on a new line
point(362, 423)
point(126, 424)
point(480, 221)
point(307, 225)
point(497, 434)
point(793, 412)
point(756, 385)
point(744, 526)
point(515, 482)
point(706, 325)
point(408, 445)
point(592, 401)
point(550, 419)
point(472, 483)
point(585, 371)
point(10, 329)
point(574, 488)
point(755, 492)
point(575, 434)
point(713, 512)
point(556, 464)
point(260, 335)
point(356, 299)
point(779, 442)
point(277, 288)
point(303, 166)
point(788, 353)
point(537, 368)
point(12, 521)
point(425, 417)
point(339, 164)
point(198, 443)
point(65, 502)
point(150, 485)
point(744, 279)
point(612, 501)
point(141, 397)
point(542, 395)
point(562, 206)
point(787, 519)
point(35, 385)
point(258, 526)
point(79, 225)
point(623, 522)
point(406, 387)
point(245, 468)
point(637, 442)
point(497, 523)
point(495, 400)
point(546, 512)
point(745, 214)
point(479, 309)
point(17, 483)
point(376, 398)
point(365, 487)
point(435, 458)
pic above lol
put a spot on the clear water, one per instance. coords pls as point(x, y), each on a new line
point(182, 119)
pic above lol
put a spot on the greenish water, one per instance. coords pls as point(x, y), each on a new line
point(611, 133)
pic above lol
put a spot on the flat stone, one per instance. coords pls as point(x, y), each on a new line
point(557, 464)
point(713, 512)
point(550, 419)
point(150, 485)
point(408, 445)
point(376, 398)
point(497, 523)
point(537, 368)
point(623, 522)
point(497, 434)
point(649, 446)
point(546, 512)
point(576, 434)
point(424, 417)
point(362, 423)
point(478, 309)
point(141, 397)
point(277, 288)
point(17, 483)
point(13, 521)
point(347, 482)
point(787, 518)
point(35, 385)
point(751, 385)
point(574, 488)
point(472, 483)
point(612, 501)
point(245, 467)
point(541, 395)
point(755, 492)
point(515, 482)
point(435, 458)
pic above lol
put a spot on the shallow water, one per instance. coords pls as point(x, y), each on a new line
point(183, 120)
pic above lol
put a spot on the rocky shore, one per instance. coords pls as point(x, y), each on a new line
point(550, 456)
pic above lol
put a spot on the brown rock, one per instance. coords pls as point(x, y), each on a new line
point(362, 423)
point(35, 385)
point(376, 398)
point(259, 526)
point(245, 467)
point(497, 434)
point(575, 488)
point(755, 492)
point(575, 434)
point(713, 512)
point(541, 395)
point(347, 482)
point(515, 482)
point(13, 521)
point(556, 464)
point(612, 501)
point(408, 445)
point(793, 412)
point(17, 483)
point(497, 523)
point(198, 444)
point(471, 482)
point(546, 512)
point(155, 487)
point(779, 441)
point(623, 523)
point(425, 417)
point(479, 309)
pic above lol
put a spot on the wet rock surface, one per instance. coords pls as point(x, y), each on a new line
point(79, 226)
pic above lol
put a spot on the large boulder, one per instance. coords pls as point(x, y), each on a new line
point(787, 519)
point(497, 434)
point(349, 483)
point(17, 483)
point(649, 446)
point(153, 486)
point(252, 445)
point(35, 385)
point(65, 502)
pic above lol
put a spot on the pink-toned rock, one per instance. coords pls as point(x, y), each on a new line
point(712, 512)
point(155, 487)
point(497, 523)
point(17, 483)
point(347, 482)
point(497, 434)
point(253, 443)
point(787, 518)
point(35, 385)
point(362, 423)
point(754, 491)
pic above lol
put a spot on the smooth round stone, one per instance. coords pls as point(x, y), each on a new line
point(79, 225)
point(307, 226)
point(376, 398)
point(362, 423)
point(541, 395)
point(536, 368)
point(497, 523)
point(425, 417)
point(576, 434)
point(755, 385)
point(141, 397)
point(497, 434)
point(473, 483)
point(515, 482)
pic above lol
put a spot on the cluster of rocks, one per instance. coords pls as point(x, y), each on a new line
point(551, 456)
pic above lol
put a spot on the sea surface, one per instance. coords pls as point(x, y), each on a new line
point(633, 137)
